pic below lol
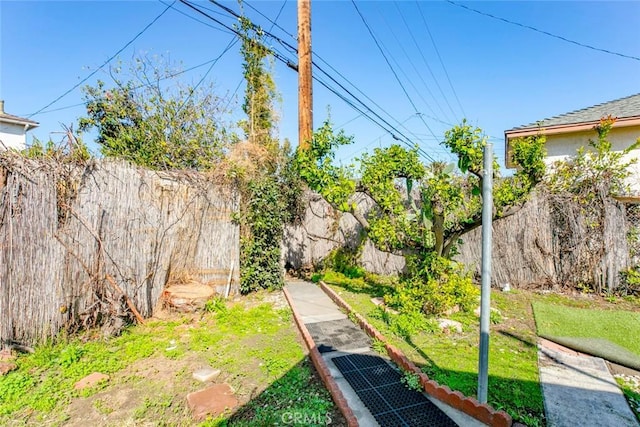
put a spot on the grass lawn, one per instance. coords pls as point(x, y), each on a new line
point(254, 343)
point(452, 359)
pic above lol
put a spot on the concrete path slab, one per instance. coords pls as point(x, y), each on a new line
point(579, 390)
point(313, 304)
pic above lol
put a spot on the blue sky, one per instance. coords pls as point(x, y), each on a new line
point(503, 75)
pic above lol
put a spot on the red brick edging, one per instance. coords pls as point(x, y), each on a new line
point(469, 405)
point(322, 368)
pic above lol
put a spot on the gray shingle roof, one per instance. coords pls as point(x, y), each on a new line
point(15, 119)
point(620, 108)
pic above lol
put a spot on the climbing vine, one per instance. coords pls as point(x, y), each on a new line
point(270, 187)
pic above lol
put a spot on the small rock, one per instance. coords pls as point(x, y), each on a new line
point(378, 301)
point(90, 380)
point(477, 311)
point(6, 367)
point(450, 324)
point(506, 287)
point(213, 401)
point(452, 310)
point(206, 374)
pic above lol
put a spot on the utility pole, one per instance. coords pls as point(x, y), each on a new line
point(305, 99)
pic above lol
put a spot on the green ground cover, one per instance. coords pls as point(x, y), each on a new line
point(451, 358)
point(253, 343)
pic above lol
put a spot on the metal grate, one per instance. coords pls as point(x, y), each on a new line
point(378, 386)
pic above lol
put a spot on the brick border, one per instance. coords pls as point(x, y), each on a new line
point(322, 367)
point(469, 405)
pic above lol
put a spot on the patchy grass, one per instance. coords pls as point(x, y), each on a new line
point(253, 343)
point(631, 390)
point(452, 359)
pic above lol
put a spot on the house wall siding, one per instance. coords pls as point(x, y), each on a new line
point(560, 147)
point(12, 136)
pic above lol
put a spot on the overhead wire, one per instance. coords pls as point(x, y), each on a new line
point(424, 59)
point(435, 46)
point(390, 66)
point(141, 32)
point(415, 69)
point(547, 33)
point(233, 41)
point(196, 19)
point(168, 76)
point(289, 63)
point(294, 50)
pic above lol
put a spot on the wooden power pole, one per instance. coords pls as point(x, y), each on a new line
point(305, 98)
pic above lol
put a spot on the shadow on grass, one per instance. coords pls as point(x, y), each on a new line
point(520, 338)
point(522, 399)
point(371, 286)
point(297, 398)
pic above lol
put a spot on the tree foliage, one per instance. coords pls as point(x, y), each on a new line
point(421, 210)
point(146, 116)
point(421, 207)
point(595, 168)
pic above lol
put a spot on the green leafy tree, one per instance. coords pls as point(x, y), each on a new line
point(422, 210)
point(595, 169)
point(146, 116)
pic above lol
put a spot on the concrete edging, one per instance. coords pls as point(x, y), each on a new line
point(469, 405)
point(322, 367)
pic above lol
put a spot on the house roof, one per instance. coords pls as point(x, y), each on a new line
point(626, 111)
point(623, 108)
point(10, 118)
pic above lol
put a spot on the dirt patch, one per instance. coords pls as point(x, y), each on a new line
point(134, 394)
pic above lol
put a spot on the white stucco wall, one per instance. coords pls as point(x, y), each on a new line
point(559, 147)
point(12, 136)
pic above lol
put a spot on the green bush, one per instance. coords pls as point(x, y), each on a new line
point(344, 260)
point(437, 284)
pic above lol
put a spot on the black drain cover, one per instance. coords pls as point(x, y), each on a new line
point(391, 403)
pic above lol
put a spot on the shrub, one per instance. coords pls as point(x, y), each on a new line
point(437, 284)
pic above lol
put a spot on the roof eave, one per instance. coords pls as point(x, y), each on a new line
point(559, 130)
point(29, 123)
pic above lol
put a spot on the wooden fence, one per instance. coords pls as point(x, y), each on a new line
point(81, 245)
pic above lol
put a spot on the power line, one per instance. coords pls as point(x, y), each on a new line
point(389, 64)
point(106, 62)
point(415, 42)
point(294, 50)
point(455, 94)
point(546, 33)
point(415, 69)
point(279, 56)
point(326, 85)
point(233, 41)
point(169, 76)
point(196, 19)
point(276, 54)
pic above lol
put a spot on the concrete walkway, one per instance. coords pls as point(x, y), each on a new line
point(370, 383)
point(579, 390)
